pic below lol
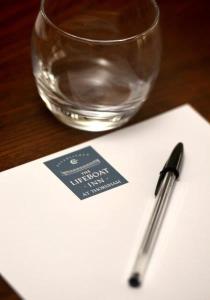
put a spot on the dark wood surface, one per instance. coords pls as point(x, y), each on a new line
point(28, 131)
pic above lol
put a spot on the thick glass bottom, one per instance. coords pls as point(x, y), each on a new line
point(90, 120)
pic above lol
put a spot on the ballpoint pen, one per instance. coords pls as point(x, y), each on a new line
point(163, 190)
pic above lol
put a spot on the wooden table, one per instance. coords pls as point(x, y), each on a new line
point(28, 131)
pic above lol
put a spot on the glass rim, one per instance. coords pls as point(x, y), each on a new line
point(106, 41)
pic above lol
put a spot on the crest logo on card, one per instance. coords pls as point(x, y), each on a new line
point(85, 172)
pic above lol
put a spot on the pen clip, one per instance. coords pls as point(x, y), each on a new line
point(160, 180)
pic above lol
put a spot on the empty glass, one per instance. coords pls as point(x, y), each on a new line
point(95, 61)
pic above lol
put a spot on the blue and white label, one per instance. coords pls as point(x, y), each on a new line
point(85, 172)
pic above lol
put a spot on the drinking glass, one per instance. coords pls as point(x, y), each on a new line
point(95, 61)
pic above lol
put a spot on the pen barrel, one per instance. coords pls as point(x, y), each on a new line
point(154, 226)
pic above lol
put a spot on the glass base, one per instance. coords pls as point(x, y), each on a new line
point(90, 120)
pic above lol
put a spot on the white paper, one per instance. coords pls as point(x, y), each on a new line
point(54, 246)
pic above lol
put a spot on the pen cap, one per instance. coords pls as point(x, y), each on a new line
point(174, 162)
point(173, 165)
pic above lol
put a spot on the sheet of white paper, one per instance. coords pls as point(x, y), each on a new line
point(55, 246)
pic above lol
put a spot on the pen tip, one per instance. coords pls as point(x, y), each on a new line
point(134, 280)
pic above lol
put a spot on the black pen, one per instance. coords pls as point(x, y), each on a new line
point(163, 190)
